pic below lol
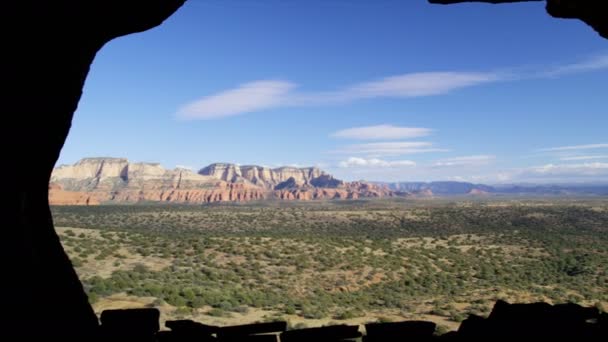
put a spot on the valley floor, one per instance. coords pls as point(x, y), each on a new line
point(349, 262)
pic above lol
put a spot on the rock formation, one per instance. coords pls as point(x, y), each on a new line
point(113, 174)
point(261, 176)
point(115, 180)
point(58, 196)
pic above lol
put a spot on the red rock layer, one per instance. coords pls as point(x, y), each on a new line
point(222, 192)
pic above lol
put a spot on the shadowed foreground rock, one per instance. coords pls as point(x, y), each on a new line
point(538, 321)
point(506, 322)
point(400, 331)
point(47, 48)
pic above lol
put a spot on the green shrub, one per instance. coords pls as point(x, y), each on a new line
point(215, 312)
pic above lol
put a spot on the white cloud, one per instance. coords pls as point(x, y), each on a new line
point(420, 84)
point(186, 167)
point(374, 162)
point(552, 173)
point(584, 169)
point(380, 132)
point(548, 173)
point(465, 161)
point(575, 158)
point(574, 148)
point(503, 177)
point(394, 148)
point(267, 94)
point(592, 64)
point(381, 169)
point(249, 97)
point(386, 170)
point(557, 173)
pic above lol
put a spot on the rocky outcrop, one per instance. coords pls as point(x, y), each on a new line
point(288, 184)
point(101, 168)
point(58, 196)
point(326, 181)
point(115, 174)
point(91, 174)
point(260, 175)
point(352, 190)
point(222, 192)
point(116, 180)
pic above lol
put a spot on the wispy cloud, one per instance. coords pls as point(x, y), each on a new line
point(575, 158)
point(401, 169)
point(598, 62)
point(557, 173)
point(249, 97)
point(380, 132)
point(389, 149)
point(374, 163)
point(570, 170)
point(465, 161)
point(573, 148)
point(420, 84)
point(267, 94)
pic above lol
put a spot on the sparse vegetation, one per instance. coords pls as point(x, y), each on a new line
point(342, 261)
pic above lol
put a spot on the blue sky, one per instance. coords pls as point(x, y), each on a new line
point(375, 90)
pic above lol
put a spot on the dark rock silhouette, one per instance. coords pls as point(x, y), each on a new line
point(47, 50)
point(593, 12)
point(506, 322)
point(399, 331)
point(251, 332)
point(535, 321)
point(187, 330)
point(324, 334)
point(134, 324)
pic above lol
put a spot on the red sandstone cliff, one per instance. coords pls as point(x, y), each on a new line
point(115, 180)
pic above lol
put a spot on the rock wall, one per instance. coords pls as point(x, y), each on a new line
point(116, 180)
point(58, 196)
point(260, 175)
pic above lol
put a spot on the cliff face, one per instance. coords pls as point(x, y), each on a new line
point(116, 180)
point(92, 168)
point(115, 174)
point(91, 174)
point(352, 190)
point(261, 176)
point(58, 196)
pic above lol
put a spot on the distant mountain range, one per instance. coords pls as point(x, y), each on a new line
point(116, 180)
point(449, 188)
